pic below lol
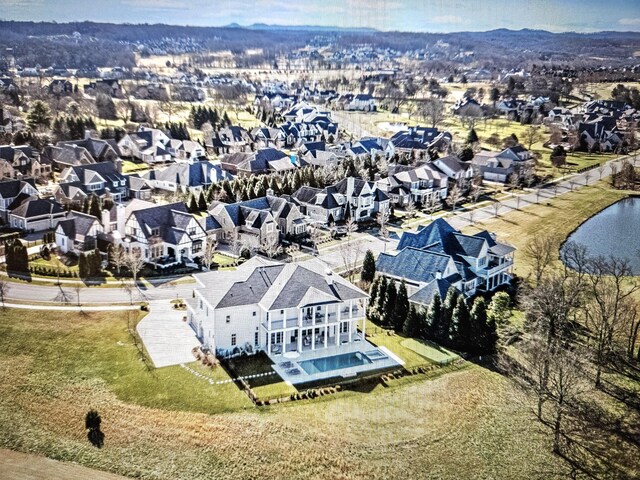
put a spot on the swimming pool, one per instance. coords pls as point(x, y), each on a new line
point(336, 362)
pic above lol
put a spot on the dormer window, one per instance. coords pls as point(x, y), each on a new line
point(155, 231)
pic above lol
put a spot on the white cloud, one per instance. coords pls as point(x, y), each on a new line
point(449, 19)
point(629, 21)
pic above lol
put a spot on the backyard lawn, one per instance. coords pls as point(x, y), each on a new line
point(265, 387)
point(396, 344)
point(170, 424)
point(428, 350)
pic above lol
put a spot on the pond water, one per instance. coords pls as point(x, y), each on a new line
point(613, 231)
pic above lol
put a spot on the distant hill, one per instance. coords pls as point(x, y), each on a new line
point(307, 28)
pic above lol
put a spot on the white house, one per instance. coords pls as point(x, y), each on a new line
point(277, 308)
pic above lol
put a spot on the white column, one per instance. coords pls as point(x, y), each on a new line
point(350, 326)
point(326, 336)
point(364, 322)
point(350, 309)
point(269, 343)
point(313, 338)
point(326, 314)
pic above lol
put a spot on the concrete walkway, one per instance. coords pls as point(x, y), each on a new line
point(166, 337)
point(72, 308)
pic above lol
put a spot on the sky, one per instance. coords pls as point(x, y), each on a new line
point(402, 15)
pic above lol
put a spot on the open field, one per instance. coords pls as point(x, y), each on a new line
point(170, 424)
point(55, 369)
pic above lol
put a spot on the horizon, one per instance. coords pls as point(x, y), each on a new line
point(410, 16)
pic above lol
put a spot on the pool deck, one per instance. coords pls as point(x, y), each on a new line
point(284, 365)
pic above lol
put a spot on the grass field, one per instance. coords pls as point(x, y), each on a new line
point(430, 351)
point(169, 424)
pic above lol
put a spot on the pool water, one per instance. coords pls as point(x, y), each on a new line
point(336, 362)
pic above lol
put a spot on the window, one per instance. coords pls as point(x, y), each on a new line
point(318, 308)
point(228, 319)
point(254, 313)
point(192, 230)
point(282, 311)
point(196, 246)
point(155, 231)
point(256, 338)
point(233, 339)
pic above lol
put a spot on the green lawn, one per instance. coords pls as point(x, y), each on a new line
point(130, 167)
point(53, 263)
point(396, 344)
point(428, 350)
point(267, 387)
point(58, 348)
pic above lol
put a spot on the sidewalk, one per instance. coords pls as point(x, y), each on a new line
point(72, 308)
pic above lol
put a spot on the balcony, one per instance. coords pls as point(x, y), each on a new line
point(494, 268)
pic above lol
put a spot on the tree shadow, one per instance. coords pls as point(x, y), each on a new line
point(92, 422)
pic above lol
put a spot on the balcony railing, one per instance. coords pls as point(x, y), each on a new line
point(493, 269)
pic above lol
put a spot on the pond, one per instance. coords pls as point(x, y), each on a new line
point(613, 231)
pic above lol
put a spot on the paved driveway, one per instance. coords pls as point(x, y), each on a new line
point(166, 337)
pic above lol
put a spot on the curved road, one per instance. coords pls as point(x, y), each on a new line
point(66, 294)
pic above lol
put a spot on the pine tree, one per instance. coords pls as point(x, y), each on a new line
point(460, 330)
point(389, 306)
point(448, 306)
point(411, 327)
point(192, 203)
point(95, 207)
point(480, 326)
point(202, 202)
point(368, 272)
point(82, 266)
point(432, 327)
point(472, 137)
point(401, 308)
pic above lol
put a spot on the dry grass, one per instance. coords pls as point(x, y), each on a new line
point(53, 369)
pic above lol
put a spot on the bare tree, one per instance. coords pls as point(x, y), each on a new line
point(211, 243)
point(532, 135)
point(541, 252)
point(351, 226)
point(587, 176)
point(433, 110)
point(475, 192)
point(410, 209)
point(78, 289)
point(4, 288)
point(383, 219)
point(610, 306)
point(566, 382)
point(134, 262)
point(433, 203)
point(600, 170)
point(496, 205)
point(471, 215)
point(514, 180)
point(454, 197)
point(118, 257)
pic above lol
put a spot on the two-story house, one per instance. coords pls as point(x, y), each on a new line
point(419, 184)
point(349, 198)
point(14, 192)
point(101, 179)
point(165, 234)
point(438, 257)
point(147, 144)
point(302, 315)
point(78, 233)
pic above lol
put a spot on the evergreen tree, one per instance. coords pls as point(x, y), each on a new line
point(95, 208)
point(411, 327)
point(472, 137)
point(82, 266)
point(401, 308)
point(202, 202)
point(389, 306)
point(368, 272)
point(192, 203)
point(460, 331)
point(432, 326)
point(448, 306)
point(480, 326)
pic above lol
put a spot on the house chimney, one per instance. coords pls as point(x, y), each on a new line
point(120, 220)
point(87, 134)
point(106, 221)
point(438, 275)
point(270, 192)
point(329, 275)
